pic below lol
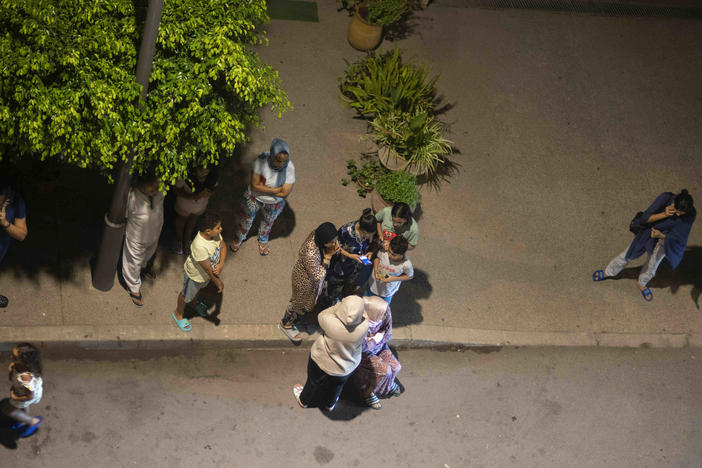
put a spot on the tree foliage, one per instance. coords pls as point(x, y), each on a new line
point(68, 90)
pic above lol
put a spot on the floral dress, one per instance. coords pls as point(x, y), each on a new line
point(378, 368)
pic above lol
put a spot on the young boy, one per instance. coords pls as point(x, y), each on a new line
point(205, 263)
point(390, 268)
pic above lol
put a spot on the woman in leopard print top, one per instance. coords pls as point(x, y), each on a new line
point(308, 276)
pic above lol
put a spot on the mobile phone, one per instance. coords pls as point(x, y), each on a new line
point(365, 260)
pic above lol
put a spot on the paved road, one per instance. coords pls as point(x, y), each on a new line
point(537, 407)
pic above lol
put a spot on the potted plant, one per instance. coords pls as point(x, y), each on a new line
point(366, 176)
point(366, 28)
point(383, 83)
point(411, 142)
point(393, 187)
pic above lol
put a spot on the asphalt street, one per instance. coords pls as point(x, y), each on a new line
point(489, 407)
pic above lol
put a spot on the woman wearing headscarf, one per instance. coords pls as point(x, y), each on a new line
point(308, 276)
point(375, 375)
point(662, 231)
point(272, 180)
point(334, 355)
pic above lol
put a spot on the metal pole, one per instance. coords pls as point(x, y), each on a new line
point(111, 244)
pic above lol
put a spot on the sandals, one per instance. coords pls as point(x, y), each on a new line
point(598, 276)
point(297, 391)
point(178, 248)
point(647, 294)
point(395, 390)
point(373, 401)
point(137, 299)
point(263, 248)
point(183, 324)
point(292, 333)
point(234, 247)
point(31, 429)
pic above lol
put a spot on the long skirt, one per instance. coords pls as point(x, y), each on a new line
point(376, 373)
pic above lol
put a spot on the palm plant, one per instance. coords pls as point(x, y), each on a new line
point(416, 137)
point(381, 83)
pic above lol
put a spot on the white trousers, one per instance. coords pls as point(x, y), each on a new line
point(135, 256)
point(648, 271)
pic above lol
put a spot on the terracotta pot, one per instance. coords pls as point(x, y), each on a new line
point(363, 35)
point(378, 202)
point(393, 161)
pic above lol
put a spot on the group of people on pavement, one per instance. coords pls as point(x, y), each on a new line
point(348, 274)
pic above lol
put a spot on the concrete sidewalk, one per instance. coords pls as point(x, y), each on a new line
point(567, 125)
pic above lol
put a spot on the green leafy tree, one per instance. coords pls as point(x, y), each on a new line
point(68, 91)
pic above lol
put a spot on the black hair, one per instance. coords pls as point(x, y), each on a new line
point(367, 221)
point(401, 210)
point(351, 289)
point(6, 189)
point(325, 233)
point(683, 201)
point(145, 178)
point(209, 220)
point(399, 245)
point(29, 359)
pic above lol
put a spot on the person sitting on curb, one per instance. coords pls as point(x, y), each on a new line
point(13, 222)
point(204, 264)
point(662, 231)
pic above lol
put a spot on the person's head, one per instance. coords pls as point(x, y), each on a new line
point(211, 224)
point(148, 183)
point(397, 248)
point(279, 154)
point(5, 190)
point(375, 308)
point(201, 172)
point(683, 202)
point(325, 236)
point(351, 289)
point(27, 358)
point(401, 214)
point(367, 222)
point(350, 311)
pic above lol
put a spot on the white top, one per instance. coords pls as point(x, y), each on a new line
point(386, 267)
point(187, 205)
point(202, 249)
point(144, 217)
point(22, 384)
point(269, 177)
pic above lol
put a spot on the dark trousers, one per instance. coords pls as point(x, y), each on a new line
point(321, 389)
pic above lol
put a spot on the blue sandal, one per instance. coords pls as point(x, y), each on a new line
point(598, 276)
point(647, 295)
point(183, 324)
point(31, 429)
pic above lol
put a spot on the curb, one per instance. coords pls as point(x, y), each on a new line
point(268, 336)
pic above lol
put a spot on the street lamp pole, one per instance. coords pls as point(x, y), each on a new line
point(108, 254)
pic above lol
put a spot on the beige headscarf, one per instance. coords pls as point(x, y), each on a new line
point(375, 308)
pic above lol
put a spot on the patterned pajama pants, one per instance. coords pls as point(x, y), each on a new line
point(249, 208)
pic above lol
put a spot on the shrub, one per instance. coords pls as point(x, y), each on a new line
point(398, 186)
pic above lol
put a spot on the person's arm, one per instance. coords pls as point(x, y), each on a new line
point(668, 212)
point(380, 231)
point(285, 190)
point(259, 187)
point(656, 234)
point(207, 266)
point(222, 258)
point(375, 268)
point(16, 397)
point(16, 230)
point(390, 279)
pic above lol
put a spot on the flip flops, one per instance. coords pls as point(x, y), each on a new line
point(395, 390)
point(292, 333)
point(31, 429)
point(647, 295)
point(135, 298)
point(183, 324)
point(263, 249)
point(598, 276)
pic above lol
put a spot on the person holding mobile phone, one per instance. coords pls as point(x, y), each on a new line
point(356, 239)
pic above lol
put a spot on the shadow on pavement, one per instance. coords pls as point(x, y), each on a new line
point(8, 437)
point(688, 272)
point(405, 308)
